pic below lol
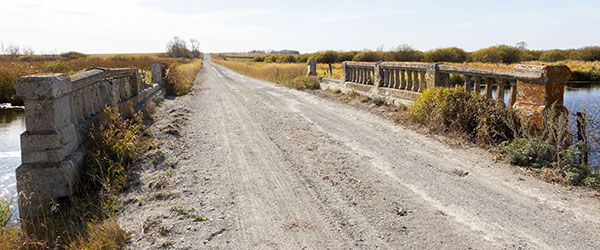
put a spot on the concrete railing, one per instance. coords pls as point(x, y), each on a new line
point(59, 110)
point(532, 87)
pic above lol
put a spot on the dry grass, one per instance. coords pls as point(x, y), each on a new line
point(11, 71)
point(180, 77)
point(292, 75)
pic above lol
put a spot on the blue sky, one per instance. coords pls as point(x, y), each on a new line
point(121, 26)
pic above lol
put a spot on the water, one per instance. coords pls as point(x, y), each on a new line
point(12, 124)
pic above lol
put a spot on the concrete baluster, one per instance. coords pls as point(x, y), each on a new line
point(488, 87)
point(500, 87)
point(402, 79)
point(396, 78)
point(409, 79)
point(415, 86)
point(467, 81)
point(423, 81)
point(477, 83)
point(512, 98)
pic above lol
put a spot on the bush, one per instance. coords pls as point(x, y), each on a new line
point(258, 59)
point(73, 55)
point(378, 101)
point(452, 54)
point(591, 53)
point(346, 56)
point(455, 109)
point(498, 54)
point(287, 59)
point(533, 152)
point(405, 53)
point(271, 58)
point(554, 55)
point(367, 56)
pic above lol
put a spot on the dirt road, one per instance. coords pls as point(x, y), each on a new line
point(269, 167)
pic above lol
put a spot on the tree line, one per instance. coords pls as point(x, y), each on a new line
point(494, 54)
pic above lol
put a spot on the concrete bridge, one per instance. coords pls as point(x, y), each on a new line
point(59, 111)
point(273, 167)
point(533, 88)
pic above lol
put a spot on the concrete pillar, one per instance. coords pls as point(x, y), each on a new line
point(422, 82)
point(345, 72)
point(477, 84)
point(378, 75)
point(434, 79)
point(312, 68)
point(157, 75)
point(402, 79)
point(47, 144)
point(533, 97)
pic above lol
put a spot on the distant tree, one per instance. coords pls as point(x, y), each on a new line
point(178, 48)
point(521, 45)
point(327, 57)
point(406, 53)
point(72, 55)
point(195, 48)
point(590, 53)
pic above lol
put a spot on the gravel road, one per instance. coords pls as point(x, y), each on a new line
point(247, 164)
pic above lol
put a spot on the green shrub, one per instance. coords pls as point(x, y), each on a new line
point(452, 54)
point(367, 56)
point(405, 53)
point(271, 58)
point(378, 101)
point(455, 109)
point(5, 211)
point(258, 59)
point(534, 152)
point(498, 54)
point(554, 55)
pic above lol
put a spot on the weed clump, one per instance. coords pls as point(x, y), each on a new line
point(455, 109)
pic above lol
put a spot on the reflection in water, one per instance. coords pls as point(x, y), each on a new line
point(12, 124)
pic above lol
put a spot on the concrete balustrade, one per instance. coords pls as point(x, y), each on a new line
point(59, 111)
point(532, 88)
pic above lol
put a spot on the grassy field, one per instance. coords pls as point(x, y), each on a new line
point(12, 70)
point(292, 75)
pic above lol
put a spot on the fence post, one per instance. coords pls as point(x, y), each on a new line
point(312, 68)
point(535, 96)
point(582, 135)
point(434, 78)
point(48, 170)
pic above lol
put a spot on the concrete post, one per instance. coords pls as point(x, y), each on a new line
point(156, 70)
point(535, 96)
point(51, 138)
point(378, 75)
point(434, 78)
point(312, 68)
point(345, 72)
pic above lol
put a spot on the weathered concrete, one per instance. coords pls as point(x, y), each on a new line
point(312, 68)
point(58, 112)
point(533, 88)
